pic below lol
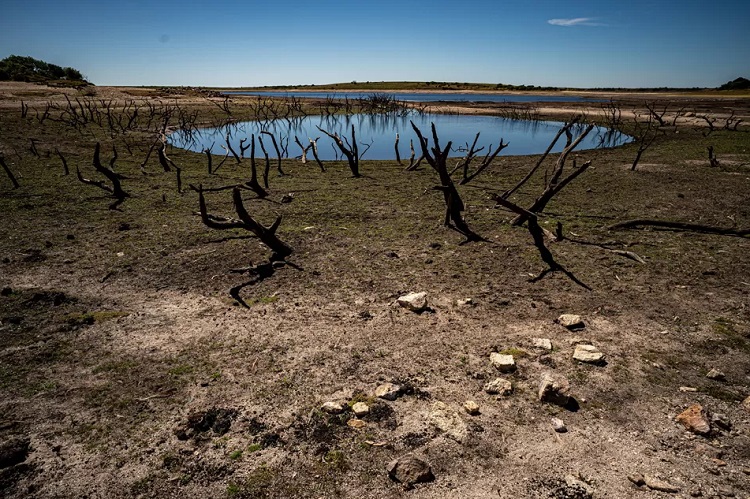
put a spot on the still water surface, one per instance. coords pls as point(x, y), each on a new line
point(379, 133)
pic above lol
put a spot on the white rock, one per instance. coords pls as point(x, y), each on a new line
point(716, 375)
point(543, 343)
point(332, 408)
point(360, 409)
point(447, 420)
point(499, 386)
point(471, 407)
point(571, 321)
point(388, 391)
point(504, 363)
point(559, 425)
point(416, 302)
point(588, 354)
point(465, 302)
point(555, 390)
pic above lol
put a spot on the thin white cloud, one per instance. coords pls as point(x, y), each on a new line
point(578, 21)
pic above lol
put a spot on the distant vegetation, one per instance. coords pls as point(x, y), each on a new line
point(738, 84)
point(19, 68)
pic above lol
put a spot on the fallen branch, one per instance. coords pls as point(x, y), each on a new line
point(683, 226)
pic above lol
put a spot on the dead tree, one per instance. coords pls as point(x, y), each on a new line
point(348, 149)
point(12, 177)
point(732, 122)
point(556, 182)
point(711, 122)
point(207, 152)
point(116, 189)
point(267, 235)
point(712, 161)
point(278, 153)
point(645, 135)
point(437, 158)
point(231, 150)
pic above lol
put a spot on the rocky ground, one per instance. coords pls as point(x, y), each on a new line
point(386, 357)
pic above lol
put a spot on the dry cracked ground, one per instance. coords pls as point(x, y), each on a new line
point(127, 369)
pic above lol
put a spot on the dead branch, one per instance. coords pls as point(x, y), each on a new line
point(680, 226)
point(304, 149)
point(64, 162)
point(230, 149)
point(314, 146)
point(12, 177)
point(554, 184)
point(645, 135)
point(398, 154)
point(267, 235)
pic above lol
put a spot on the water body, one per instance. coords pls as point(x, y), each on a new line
point(377, 134)
point(425, 97)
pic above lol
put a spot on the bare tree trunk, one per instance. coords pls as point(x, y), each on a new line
point(314, 145)
point(268, 161)
point(304, 149)
point(253, 184)
point(713, 162)
point(278, 153)
point(398, 154)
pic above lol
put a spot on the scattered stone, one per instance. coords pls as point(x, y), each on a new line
point(575, 483)
point(416, 302)
point(543, 343)
point(14, 451)
point(332, 408)
point(588, 354)
point(559, 425)
point(637, 479)
point(719, 462)
point(571, 321)
point(716, 375)
point(721, 421)
point(499, 386)
point(410, 470)
point(471, 407)
point(688, 389)
point(6, 292)
point(388, 391)
point(465, 302)
point(725, 491)
point(696, 492)
point(287, 198)
point(356, 423)
point(360, 409)
point(447, 420)
point(746, 404)
point(654, 483)
point(708, 450)
point(695, 419)
point(503, 363)
point(554, 390)
point(577, 340)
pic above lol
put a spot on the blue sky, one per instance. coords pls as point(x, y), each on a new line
point(575, 43)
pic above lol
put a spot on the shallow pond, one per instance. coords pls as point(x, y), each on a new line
point(378, 132)
point(429, 97)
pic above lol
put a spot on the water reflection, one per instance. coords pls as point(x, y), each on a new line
point(524, 137)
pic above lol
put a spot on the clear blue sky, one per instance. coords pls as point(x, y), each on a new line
point(576, 43)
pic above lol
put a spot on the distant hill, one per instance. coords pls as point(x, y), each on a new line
point(738, 84)
point(19, 68)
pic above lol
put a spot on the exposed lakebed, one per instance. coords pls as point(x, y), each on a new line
point(377, 134)
point(426, 96)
